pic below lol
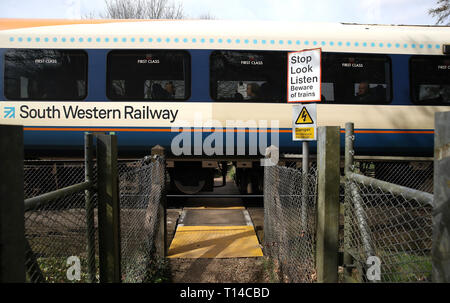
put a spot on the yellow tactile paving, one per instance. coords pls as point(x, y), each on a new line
point(215, 242)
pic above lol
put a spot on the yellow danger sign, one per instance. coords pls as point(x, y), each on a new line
point(304, 133)
point(304, 117)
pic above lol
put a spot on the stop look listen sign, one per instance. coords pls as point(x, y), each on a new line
point(304, 76)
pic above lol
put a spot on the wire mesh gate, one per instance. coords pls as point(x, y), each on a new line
point(387, 225)
point(385, 219)
point(390, 226)
point(63, 233)
point(142, 217)
point(57, 230)
point(290, 221)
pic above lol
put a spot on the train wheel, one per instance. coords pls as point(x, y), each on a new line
point(189, 189)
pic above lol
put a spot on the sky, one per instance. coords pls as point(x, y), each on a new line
point(352, 11)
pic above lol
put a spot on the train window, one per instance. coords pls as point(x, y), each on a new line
point(430, 80)
point(148, 75)
point(248, 76)
point(45, 74)
point(357, 79)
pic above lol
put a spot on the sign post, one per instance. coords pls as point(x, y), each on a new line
point(304, 85)
point(304, 129)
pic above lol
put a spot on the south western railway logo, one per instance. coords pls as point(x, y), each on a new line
point(9, 112)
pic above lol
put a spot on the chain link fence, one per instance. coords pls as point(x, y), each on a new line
point(56, 231)
point(57, 235)
point(142, 190)
point(394, 228)
point(413, 174)
point(290, 221)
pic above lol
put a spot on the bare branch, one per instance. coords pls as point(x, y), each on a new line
point(207, 16)
point(441, 12)
point(142, 9)
point(90, 15)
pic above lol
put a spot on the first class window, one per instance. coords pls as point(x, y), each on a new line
point(248, 76)
point(45, 74)
point(430, 80)
point(356, 79)
point(148, 75)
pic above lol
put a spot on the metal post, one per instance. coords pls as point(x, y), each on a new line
point(328, 203)
point(12, 226)
point(108, 209)
point(272, 202)
point(305, 171)
point(354, 197)
point(162, 249)
point(441, 209)
point(305, 157)
point(349, 167)
point(89, 193)
point(34, 272)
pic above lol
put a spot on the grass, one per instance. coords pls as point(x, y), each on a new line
point(269, 268)
point(158, 271)
point(54, 270)
point(408, 268)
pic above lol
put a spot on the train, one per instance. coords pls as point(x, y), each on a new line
point(213, 91)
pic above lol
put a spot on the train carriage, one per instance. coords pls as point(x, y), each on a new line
point(152, 81)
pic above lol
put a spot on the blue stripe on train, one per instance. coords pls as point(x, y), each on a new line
point(141, 141)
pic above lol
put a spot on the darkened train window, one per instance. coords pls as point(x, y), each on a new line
point(253, 76)
point(148, 75)
point(430, 79)
point(45, 74)
point(357, 79)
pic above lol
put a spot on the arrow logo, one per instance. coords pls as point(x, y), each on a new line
point(9, 112)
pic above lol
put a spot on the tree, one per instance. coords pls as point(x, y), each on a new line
point(206, 16)
point(442, 12)
point(141, 9)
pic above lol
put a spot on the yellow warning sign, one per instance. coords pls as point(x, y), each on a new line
point(304, 133)
point(304, 117)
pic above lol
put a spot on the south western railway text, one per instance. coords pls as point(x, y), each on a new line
point(76, 112)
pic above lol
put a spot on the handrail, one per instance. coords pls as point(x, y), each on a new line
point(408, 193)
point(32, 203)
